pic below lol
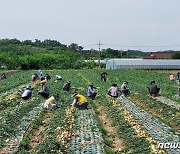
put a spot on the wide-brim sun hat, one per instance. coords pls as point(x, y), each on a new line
point(91, 84)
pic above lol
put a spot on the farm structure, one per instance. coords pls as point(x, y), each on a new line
point(142, 64)
point(159, 55)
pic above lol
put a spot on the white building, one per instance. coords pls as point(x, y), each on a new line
point(142, 64)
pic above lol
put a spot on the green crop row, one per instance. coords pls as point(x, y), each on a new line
point(14, 80)
point(125, 131)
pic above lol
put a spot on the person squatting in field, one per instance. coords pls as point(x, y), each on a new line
point(171, 77)
point(91, 93)
point(34, 77)
point(27, 93)
point(113, 91)
point(178, 77)
point(2, 76)
point(153, 89)
point(104, 76)
point(58, 78)
point(79, 101)
point(124, 88)
point(44, 92)
point(47, 76)
point(67, 86)
point(41, 75)
point(51, 102)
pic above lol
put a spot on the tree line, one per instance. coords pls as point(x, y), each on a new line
point(51, 54)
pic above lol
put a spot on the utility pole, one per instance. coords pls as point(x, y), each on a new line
point(99, 44)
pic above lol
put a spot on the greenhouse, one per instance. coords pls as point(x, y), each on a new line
point(142, 64)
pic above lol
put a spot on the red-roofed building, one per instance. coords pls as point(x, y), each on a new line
point(159, 55)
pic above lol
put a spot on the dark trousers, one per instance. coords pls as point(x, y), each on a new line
point(26, 97)
point(125, 92)
point(103, 79)
point(82, 106)
point(44, 95)
point(93, 95)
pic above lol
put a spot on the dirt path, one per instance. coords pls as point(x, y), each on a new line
point(9, 71)
point(117, 143)
point(168, 71)
point(37, 135)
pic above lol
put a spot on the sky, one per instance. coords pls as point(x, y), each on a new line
point(146, 25)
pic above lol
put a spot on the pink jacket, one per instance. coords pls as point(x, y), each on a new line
point(113, 91)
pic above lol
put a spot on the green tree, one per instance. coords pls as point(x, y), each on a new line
point(176, 55)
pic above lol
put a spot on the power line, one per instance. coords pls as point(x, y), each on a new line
point(90, 45)
point(141, 45)
point(153, 46)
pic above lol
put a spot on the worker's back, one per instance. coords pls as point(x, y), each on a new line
point(26, 94)
point(81, 99)
point(153, 89)
point(113, 91)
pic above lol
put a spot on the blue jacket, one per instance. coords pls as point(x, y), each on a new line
point(90, 90)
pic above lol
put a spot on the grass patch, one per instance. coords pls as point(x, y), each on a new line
point(108, 142)
point(109, 151)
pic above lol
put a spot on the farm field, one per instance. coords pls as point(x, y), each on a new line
point(110, 126)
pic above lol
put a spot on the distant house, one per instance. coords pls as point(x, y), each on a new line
point(159, 55)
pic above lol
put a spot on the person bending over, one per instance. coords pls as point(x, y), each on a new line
point(153, 89)
point(80, 101)
point(67, 86)
point(91, 93)
point(44, 92)
point(27, 93)
point(124, 88)
point(51, 102)
point(113, 91)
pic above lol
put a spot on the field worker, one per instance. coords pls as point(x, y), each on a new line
point(47, 76)
point(27, 93)
point(41, 75)
point(171, 77)
point(58, 77)
point(124, 88)
point(51, 102)
point(178, 77)
point(113, 91)
point(104, 76)
point(80, 101)
point(2, 76)
point(44, 92)
point(153, 89)
point(67, 86)
point(35, 77)
point(91, 93)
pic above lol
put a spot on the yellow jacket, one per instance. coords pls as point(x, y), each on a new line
point(49, 102)
point(80, 99)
